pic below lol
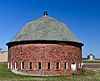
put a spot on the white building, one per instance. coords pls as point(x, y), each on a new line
point(3, 56)
point(91, 57)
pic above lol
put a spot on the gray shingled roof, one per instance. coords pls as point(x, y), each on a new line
point(45, 28)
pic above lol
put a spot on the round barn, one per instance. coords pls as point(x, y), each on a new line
point(45, 46)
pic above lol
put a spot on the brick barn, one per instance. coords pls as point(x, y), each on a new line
point(45, 46)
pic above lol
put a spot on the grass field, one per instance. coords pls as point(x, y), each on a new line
point(6, 75)
point(94, 61)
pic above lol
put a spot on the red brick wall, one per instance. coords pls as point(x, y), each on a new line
point(45, 53)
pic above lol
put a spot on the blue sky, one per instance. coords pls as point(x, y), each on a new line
point(81, 16)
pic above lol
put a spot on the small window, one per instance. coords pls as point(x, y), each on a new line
point(39, 65)
point(16, 65)
point(57, 65)
point(30, 66)
point(49, 66)
point(66, 65)
point(22, 65)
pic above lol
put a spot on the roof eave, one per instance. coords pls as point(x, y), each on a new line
point(43, 41)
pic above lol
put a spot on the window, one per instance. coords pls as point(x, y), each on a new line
point(66, 65)
point(57, 65)
point(22, 65)
point(49, 66)
point(30, 66)
point(16, 65)
point(39, 65)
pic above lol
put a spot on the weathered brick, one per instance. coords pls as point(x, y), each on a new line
point(45, 53)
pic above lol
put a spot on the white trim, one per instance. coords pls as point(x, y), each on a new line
point(66, 65)
point(21, 65)
point(59, 65)
point(11, 66)
point(82, 65)
point(8, 65)
point(79, 65)
point(50, 65)
point(15, 66)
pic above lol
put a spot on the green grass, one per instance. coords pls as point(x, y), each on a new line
point(7, 75)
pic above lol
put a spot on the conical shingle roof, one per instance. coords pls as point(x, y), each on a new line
point(45, 28)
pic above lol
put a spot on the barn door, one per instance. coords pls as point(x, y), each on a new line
point(73, 67)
